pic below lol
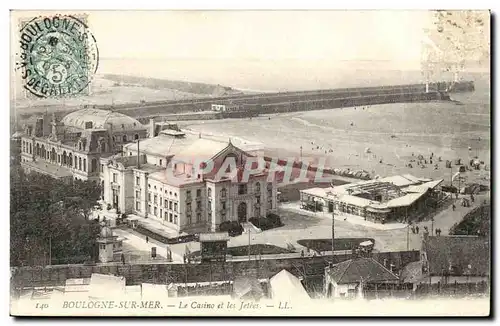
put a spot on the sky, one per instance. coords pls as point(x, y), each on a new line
point(260, 35)
point(255, 49)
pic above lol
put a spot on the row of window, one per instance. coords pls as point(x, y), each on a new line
point(170, 193)
point(168, 204)
point(167, 216)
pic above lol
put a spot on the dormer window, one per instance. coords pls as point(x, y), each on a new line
point(123, 126)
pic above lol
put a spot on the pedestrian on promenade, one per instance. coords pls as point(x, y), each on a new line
point(147, 239)
point(453, 207)
point(417, 229)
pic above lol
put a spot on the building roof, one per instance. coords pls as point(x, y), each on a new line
point(166, 176)
point(163, 145)
point(405, 200)
point(317, 192)
point(101, 119)
point(285, 285)
point(355, 200)
point(424, 187)
point(104, 286)
point(245, 285)
point(213, 237)
point(457, 255)
point(401, 180)
point(357, 270)
point(202, 149)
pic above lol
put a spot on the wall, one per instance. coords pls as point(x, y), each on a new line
point(191, 273)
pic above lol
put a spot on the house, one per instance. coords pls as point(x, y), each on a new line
point(348, 278)
point(450, 259)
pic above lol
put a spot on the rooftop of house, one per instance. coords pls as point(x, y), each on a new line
point(457, 255)
point(362, 269)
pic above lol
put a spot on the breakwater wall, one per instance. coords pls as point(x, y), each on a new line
point(307, 267)
point(290, 102)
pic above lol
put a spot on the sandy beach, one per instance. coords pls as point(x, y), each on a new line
point(391, 132)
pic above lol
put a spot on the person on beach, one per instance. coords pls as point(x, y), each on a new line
point(453, 207)
point(147, 239)
point(417, 229)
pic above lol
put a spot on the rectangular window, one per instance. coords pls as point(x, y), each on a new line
point(138, 206)
point(166, 205)
point(115, 177)
point(175, 207)
point(155, 211)
point(149, 209)
point(161, 162)
point(137, 181)
point(188, 195)
point(161, 213)
point(102, 167)
point(170, 218)
point(198, 205)
point(166, 216)
point(149, 197)
point(189, 218)
point(223, 204)
point(258, 199)
point(198, 217)
point(137, 194)
point(188, 207)
point(170, 205)
point(175, 219)
point(156, 199)
point(198, 193)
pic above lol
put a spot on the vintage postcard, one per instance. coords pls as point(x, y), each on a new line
point(250, 163)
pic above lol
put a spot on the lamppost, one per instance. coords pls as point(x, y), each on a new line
point(333, 225)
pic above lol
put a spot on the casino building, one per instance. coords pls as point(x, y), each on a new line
point(152, 171)
point(73, 147)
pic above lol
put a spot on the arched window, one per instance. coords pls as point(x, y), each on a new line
point(31, 152)
point(209, 192)
point(80, 163)
point(257, 187)
point(223, 192)
point(124, 138)
point(84, 165)
point(136, 136)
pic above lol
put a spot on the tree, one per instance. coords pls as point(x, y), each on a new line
point(49, 219)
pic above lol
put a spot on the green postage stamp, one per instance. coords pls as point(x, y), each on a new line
point(58, 55)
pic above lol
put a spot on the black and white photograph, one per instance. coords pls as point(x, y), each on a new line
point(279, 163)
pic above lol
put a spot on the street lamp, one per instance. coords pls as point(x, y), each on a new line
point(333, 225)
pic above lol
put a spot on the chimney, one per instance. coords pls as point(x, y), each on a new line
point(39, 127)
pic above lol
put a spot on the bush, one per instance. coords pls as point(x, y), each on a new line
point(266, 223)
point(232, 227)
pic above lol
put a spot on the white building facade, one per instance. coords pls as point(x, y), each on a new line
point(170, 181)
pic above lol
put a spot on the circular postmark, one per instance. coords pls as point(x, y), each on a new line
point(58, 56)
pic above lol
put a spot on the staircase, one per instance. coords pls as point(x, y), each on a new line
point(249, 227)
